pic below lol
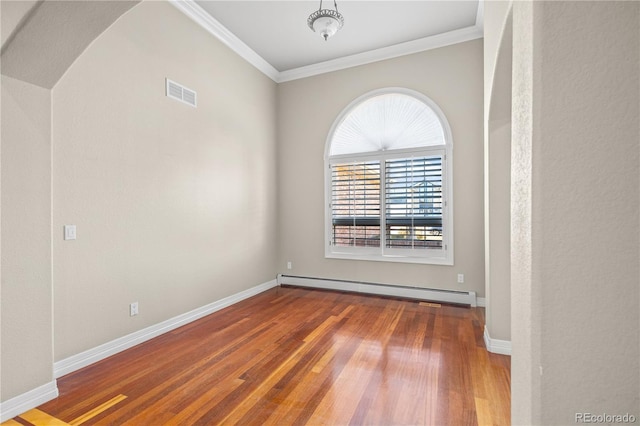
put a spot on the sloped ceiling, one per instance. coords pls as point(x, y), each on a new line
point(47, 36)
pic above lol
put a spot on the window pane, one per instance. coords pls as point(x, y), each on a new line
point(355, 204)
point(414, 202)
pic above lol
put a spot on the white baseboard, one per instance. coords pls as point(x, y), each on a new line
point(445, 296)
point(482, 302)
point(502, 347)
point(103, 351)
point(28, 400)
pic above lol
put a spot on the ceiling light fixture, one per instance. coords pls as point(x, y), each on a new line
point(326, 21)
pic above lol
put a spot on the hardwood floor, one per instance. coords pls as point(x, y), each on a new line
point(298, 356)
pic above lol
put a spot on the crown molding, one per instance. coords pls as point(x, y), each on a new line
point(215, 28)
point(206, 21)
point(390, 52)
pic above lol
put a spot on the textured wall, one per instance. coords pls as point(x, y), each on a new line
point(586, 196)
point(451, 77)
point(575, 208)
point(525, 296)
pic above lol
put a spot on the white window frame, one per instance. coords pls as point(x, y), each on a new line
point(443, 256)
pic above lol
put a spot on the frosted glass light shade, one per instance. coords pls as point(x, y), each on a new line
point(385, 122)
point(325, 22)
point(326, 26)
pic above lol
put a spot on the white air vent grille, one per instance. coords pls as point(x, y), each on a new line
point(180, 93)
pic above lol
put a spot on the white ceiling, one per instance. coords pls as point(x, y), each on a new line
point(274, 36)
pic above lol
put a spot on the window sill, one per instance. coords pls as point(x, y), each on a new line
point(431, 260)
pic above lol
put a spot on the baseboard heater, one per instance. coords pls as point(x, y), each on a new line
point(444, 296)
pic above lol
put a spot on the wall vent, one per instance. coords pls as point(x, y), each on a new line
point(180, 93)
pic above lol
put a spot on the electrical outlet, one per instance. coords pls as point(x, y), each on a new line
point(133, 309)
point(289, 265)
point(460, 278)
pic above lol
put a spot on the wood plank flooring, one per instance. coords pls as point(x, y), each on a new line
point(293, 356)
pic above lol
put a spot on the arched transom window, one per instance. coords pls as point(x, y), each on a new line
point(388, 182)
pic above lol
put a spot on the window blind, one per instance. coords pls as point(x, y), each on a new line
point(355, 204)
point(413, 200)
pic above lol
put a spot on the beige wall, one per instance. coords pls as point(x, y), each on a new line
point(175, 207)
point(497, 134)
point(26, 303)
point(526, 300)
point(590, 62)
point(576, 255)
point(497, 235)
point(450, 76)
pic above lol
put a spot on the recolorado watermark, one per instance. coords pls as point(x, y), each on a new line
point(605, 418)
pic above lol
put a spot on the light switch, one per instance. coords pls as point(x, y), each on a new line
point(69, 232)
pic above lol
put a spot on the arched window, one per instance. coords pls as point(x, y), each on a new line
point(388, 180)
